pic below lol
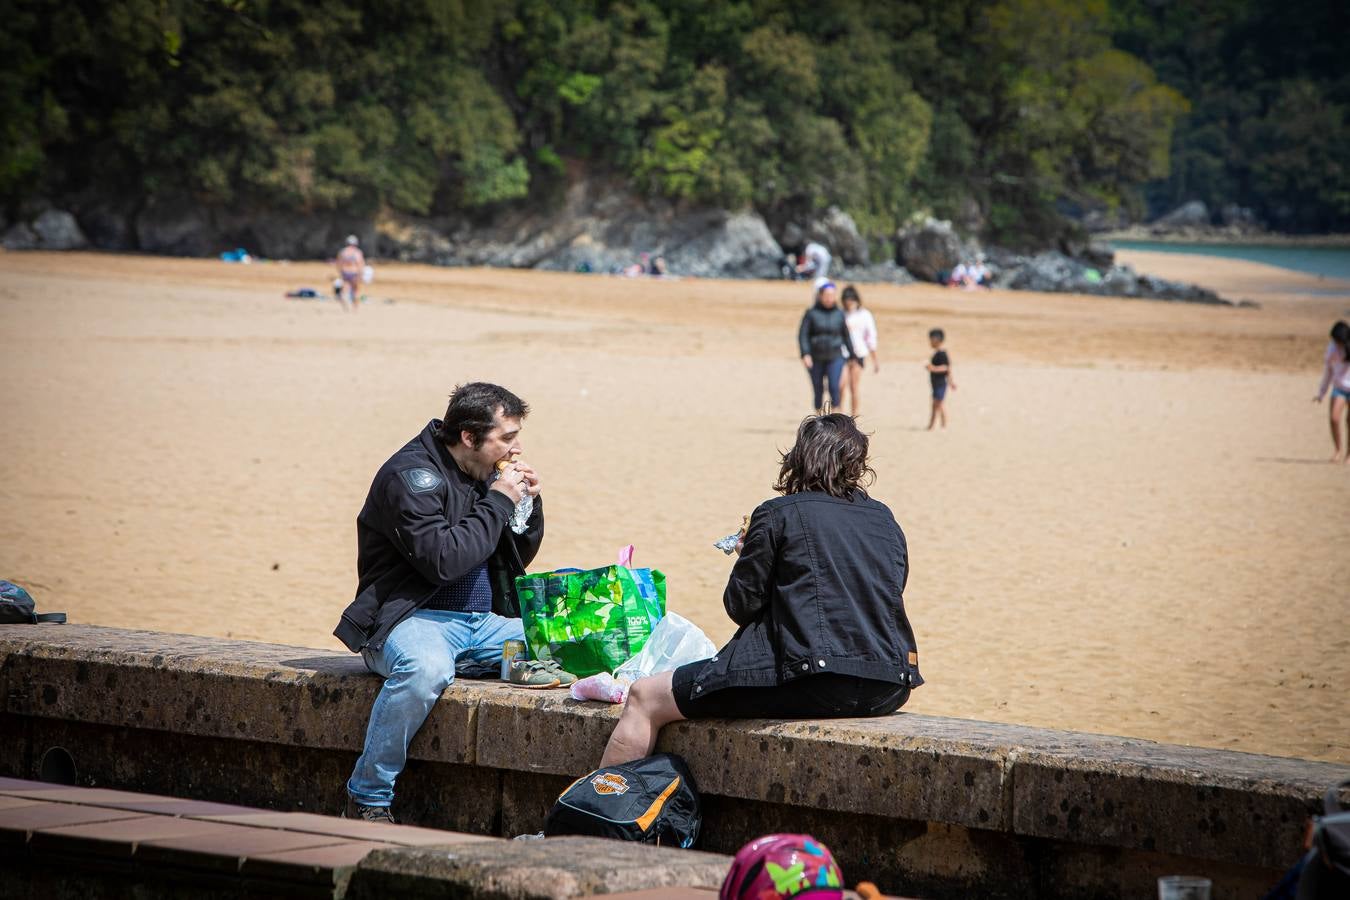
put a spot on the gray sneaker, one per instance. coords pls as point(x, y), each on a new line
point(531, 673)
point(565, 678)
point(356, 810)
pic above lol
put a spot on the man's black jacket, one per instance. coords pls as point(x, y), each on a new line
point(819, 587)
point(426, 523)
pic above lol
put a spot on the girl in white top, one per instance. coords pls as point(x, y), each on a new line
point(1336, 375)
point(862, 332)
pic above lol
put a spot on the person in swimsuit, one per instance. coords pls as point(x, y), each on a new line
point(351, 263)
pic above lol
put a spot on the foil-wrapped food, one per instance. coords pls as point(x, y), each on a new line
point(728, 544)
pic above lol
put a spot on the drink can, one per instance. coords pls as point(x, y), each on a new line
point(511, 651)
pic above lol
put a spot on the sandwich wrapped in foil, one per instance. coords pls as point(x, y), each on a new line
point(728, 544)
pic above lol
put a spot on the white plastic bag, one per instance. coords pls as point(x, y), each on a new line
point(673, 642)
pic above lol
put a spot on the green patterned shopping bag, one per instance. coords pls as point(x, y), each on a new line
point(590, 621)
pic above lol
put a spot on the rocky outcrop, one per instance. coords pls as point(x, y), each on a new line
point(597, 225)
point(600, 226)
point(1054, 272)
point(51, 229)
point(888, 272)
point(1194, 214)
point(409, 240)
point(1241, 217)
point(182, 227)
point(737, 245)
point(835, 229)
point(1095, 253)
point(108, 227)
point(280, 235)
point(176, 228)
point(1193, 221)
point(929, 248)
point(57, 229)
point(20, 236)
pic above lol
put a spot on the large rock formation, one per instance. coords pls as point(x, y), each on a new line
point(57, 229)
point(1194, 214)
point(1055, 272)
point(19, 236)
point(600, 226)
point(108, 226)
point(51, 229)
point(176, 228)
point(929, 248)
point(1081, 247)
point(182, 227)
point(835, 229)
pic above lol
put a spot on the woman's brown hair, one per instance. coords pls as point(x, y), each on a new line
point(830, 456)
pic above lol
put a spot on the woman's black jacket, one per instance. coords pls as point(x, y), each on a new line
point(822, 333)
point(818, 588)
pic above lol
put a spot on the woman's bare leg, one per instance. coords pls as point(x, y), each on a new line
point(1346, 459)
point(651, 705)
point(1338, 412)
point(853, 380)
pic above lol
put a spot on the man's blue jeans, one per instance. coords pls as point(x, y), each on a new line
point(418, 662)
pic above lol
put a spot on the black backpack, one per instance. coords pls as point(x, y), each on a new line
point(652, 800)
point(1326, 868)
point(16, 607)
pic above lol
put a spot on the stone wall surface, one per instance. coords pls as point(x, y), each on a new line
point(82, 843)
point(948, 804)
point(532, 870)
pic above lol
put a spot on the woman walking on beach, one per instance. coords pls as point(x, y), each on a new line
point(818, 595)
point(823, 342)
point(1336, 375)
point(862, 333)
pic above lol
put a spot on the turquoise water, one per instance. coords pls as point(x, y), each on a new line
point(1328, 262)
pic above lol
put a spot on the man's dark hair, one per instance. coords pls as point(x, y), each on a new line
point(830, 456)
point(473, 408)
point(937, 333)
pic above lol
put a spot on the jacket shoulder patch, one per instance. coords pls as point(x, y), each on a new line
point(421, 480)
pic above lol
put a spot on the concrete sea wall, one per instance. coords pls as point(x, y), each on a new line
point(922, 805)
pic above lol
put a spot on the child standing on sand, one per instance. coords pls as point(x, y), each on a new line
point(1336, 375)
point(940, 376)
point(862, 334)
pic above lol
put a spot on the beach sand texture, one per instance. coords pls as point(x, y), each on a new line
point(1129, 528)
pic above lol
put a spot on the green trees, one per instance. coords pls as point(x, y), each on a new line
point(1072, 117)
point(1269, 91)
point(1006, 107)
point(289, 104)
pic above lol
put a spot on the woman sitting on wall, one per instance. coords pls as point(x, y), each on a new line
point(818, 595)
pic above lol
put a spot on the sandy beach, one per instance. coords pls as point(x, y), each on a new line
point(1130, 526)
